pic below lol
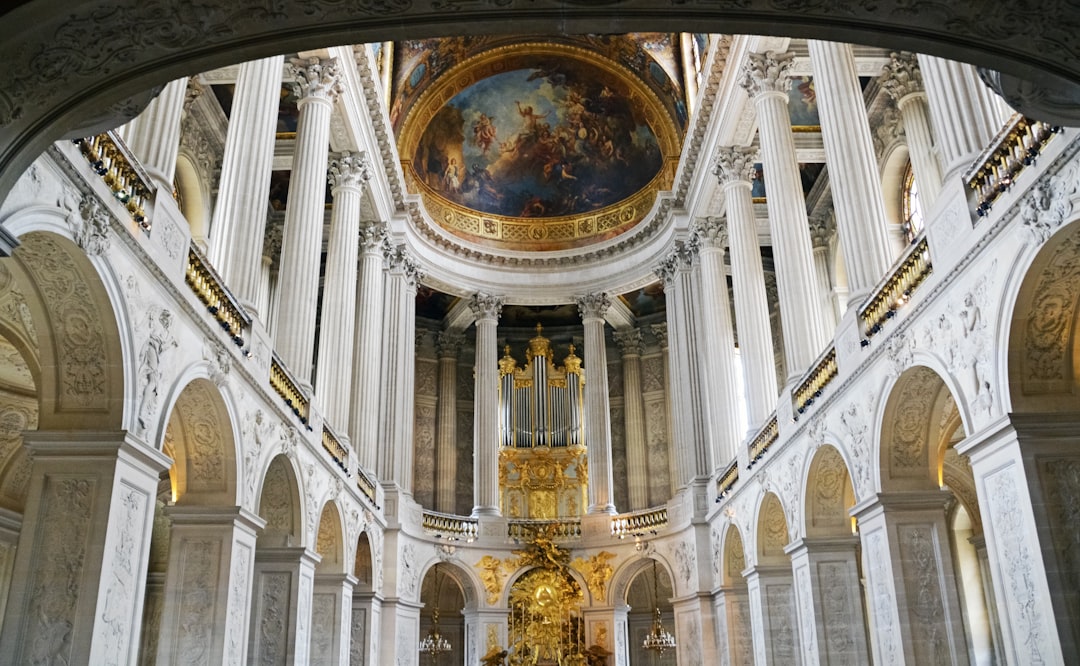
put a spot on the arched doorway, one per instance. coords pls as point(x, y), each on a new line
point(651, 590)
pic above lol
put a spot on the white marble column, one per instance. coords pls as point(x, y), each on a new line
point(448, 344)
point(281, 606)
point(637, 454)
point(317, 87)
point(208, 585)
point(154, 135)
point(239, 220)
point(821, 230)
point(76, 591)
point(718, 340)
point(592, 308)
point(767, 81)
point(829, 600)
point(912, 595)
point(734, 167)
point(771, 592)
point(367, 346)
point(487, 309)
point(331, 619)
point(964, 112)
point(334, 376)
point(902, 79)
point(691, 455)
point(853, 173)
point(395, 437)
point(660, 331)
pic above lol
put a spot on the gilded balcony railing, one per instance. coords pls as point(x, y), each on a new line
point(289, 389)
point(335, 448)
point(896, 289)
point(727, 480)
point(211, 290)
point(764, 439)
point(450, 526)
point(637, 523)
point(366, 486)
point(110, 159)
point(523, 530)
point(1015, 147)
point(823, 372)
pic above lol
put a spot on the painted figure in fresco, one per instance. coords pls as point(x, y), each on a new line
point(531, 119)
point(484, 133)
point(452, 177)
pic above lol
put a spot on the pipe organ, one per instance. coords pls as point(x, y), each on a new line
point(542, 465)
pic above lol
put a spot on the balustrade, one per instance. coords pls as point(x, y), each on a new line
point(289, 389)
point(897, 288)
point(815, 381)
point(638, 523)
point(366, 486)
point(111, 159)
point(555, 529)
point(213, 293)
point(1015, 147)
point(765, 438)
point(727, 480)
point(335, 448)
point(447, 525)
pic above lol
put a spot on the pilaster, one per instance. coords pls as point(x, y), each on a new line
point(281, 607)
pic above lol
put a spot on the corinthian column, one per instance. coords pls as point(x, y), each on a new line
point(154, 136)
point(715, 309)
point(734, 168)
point(902, 79)
point(298, 284)
point(853, 173)
point(367, 345)
point(398, 371)
point(767, 81)
point(486, 405)
point(446, 471)
point(239, 222)
point(597, 408)
point(347, 174)
point(637, 454)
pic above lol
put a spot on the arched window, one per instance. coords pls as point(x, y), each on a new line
point(912, 208)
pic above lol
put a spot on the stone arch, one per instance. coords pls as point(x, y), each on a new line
point(79, 348)
point(280, 505)
point(733, 558)
point(329, 540)
point(630, 570)
point(911, 430)
point(772, 532)
point(363, 565)
point(1043, 340)
point(650, 588)
point(20, 377)
point(201, 439)
point(460, 576)
point(829, 494)
point(46, 95)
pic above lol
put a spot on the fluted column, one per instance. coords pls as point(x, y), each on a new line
point(820, 232)
point(317, 87)
point(239, 221)
point(767, 81)
point(346, 175)
point(691, 456)
point(637, 454)
point(597, 408)
point(853, 172)
point(964, 112)
point(902, 79)
point(448, 345)
point(487, 309)
point(367, 346)
point(154, 135)
point(395, 435)
point(718, 341)
point(734, 167)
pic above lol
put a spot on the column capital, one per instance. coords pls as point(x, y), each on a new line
point(316, 78)
point(822, 229)
point(486, 306)
point(901, 76)
point(711, 232)
point(372, 236)
point(767, 72)
point(734, 164)
point(660, 332)
point(680, 259)
point(272, 239)
point(629, 341)
point(593, 306)
point(448, 343)
point(399, 262)
point(348, 170)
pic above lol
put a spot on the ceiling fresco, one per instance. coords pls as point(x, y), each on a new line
point(538, 145)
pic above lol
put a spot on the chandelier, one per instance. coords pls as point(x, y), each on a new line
point(435, 643)
point(658, 638)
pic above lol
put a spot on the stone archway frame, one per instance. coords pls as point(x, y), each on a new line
point(95, 59)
